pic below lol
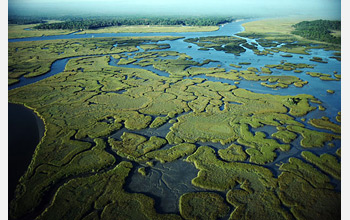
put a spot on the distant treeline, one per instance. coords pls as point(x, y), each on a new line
point(94, 23)
point(318, 30)
point(26, 20)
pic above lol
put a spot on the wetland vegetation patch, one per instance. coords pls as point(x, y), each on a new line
point(220, 43)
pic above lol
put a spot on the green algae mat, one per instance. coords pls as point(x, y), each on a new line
point(102, 123)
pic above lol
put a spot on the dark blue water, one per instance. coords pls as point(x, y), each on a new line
point(25, 130)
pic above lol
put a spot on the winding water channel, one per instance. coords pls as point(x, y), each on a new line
point(167, 179)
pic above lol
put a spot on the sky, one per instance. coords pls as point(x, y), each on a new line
point(317, 8)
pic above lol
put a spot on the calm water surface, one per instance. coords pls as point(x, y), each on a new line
point(25, 131)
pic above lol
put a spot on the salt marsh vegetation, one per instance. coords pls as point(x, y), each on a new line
point(322, 76)
point(202, 205)
point(27, 30)
point(325, 162)
point(325, 123)
point(318, 59)
point(221, 43)
point(30, 60)
point(102, 124)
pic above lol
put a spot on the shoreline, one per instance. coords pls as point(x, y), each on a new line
point(40, 124)
point(39, 121)
point(150, 29)
point(113, 29)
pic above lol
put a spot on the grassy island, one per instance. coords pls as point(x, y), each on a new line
point(220, 43)
point(298, 34)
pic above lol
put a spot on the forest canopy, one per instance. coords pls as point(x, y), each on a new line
point(320, 30)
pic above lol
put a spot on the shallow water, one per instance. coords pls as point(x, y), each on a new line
point(165, 182)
